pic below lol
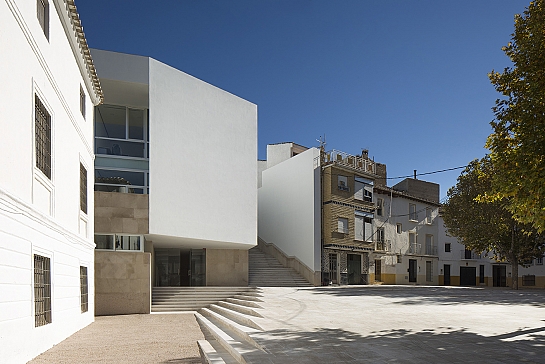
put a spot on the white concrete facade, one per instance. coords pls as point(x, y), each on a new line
point(290, 207)
point(41, 213)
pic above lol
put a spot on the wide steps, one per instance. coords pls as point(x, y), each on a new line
point(266, 271)
point(175, 299)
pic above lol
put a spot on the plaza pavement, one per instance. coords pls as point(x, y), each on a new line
point(365, 324)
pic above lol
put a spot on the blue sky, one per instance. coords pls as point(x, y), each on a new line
point(405, 79)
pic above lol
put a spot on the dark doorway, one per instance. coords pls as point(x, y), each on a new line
point(499, 277)
point(333, 268)
point(412, 270)
point(378, 271)
point(468, 276)
point(354, 269)
point(180, 268)
point(446, 268)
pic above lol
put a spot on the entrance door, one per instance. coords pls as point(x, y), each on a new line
point(499, 277)
point(446, 268)
point(378, 271)
point(333, 268)
point(198, 267)
point(176, 267)
point(354, 268)
point(468, 276)
point(412, 270)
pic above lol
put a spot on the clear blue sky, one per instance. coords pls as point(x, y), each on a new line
point(405, 79)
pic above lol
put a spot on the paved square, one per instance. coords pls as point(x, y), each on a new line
point(403, 324)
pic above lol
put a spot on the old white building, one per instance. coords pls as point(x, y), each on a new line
point(48, 90)
point(175, 183)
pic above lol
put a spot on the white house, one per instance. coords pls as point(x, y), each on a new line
point(48, 90)
point(175, 182)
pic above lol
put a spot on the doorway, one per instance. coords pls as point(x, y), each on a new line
point(378, 271)
point(446, 269)
point(354, 269)
point(412, 270)
point(468, 276)
point(499, 276)
point(333, 268)
point(180, 268)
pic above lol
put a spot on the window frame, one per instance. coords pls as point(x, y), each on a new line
point(342, 230)
point(82, 97)
point(84, 289)
point(43, 313)
point(448, 247)
point(42, 137)
point(342, 183)
point(380, 206)
point(115, 242)
point(399, 228)
point(43, 19)
point(428, 215)
point(429, 271)
point(413, 216)
point(83, 188)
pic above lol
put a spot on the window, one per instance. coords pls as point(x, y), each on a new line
point(363, 189)
point(42, 126)
point(342, 225)
point(363, 228)
point(381, 245)
point(429, 271)
point(110, 180)
point(447, 247)
point(84, 290)
point(42, 12)
point(529, 280)
point(399, 228)
point(342, 183)
point(413, 248)
point(82, 188)
point(42, 290)
point(380, 205)
point(481, 273)
point(428, 215)
point(430, 248)
point(118, 242)
point(539, 261)
point(82, 101)
point(399, 258)
point(412, 212)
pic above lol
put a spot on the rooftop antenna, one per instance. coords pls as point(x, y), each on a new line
point(322, 142)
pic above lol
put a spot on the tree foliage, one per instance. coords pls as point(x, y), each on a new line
point(517, 144)
point(487, 226)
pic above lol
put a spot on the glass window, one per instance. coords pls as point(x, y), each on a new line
point(447, 247)
point(399, 228)
point(42, 125)
point(82, 188)
point(136, 124)
point(342, 225)
point(119, 148)
point(342, 183)
point(42, 290)
point(42, 12)
point(104, 242)
point(84, 289)
point(412, 212)
point(127, 242)
point(380, 204)
point(110, 122)
point(119, 177)
point(428, 215)
point(82, 101)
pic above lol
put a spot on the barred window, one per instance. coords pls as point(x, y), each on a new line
point(43, 137)
point(83, 188)
point(84, 289)
point(42, 290)
point(82, 101)
point(42, 12)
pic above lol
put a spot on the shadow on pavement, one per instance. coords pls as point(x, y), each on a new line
point(440, 295)
point(439, 345)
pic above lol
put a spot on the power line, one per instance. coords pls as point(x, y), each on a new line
point(426, 173)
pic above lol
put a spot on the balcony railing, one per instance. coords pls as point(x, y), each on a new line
point(431, 250)
point(415, 248)
point(357, 162)
point(382, 245)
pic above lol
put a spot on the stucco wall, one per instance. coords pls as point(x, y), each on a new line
point(121, 213)
point(122, 283)
point(203, 152)
point(226, 267)
point(289, 207)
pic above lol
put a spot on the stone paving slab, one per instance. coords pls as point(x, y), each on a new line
point(402, 324)
point(156, 338)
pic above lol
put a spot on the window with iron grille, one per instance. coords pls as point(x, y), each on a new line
point(82, 101)
point(42, 128)
point(42, 12)
point(83, 188)
point(42, 290)
point(84, 289)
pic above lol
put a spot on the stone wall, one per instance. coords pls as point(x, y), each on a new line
point(227, 267)
point(122, 283)
point(121, 213)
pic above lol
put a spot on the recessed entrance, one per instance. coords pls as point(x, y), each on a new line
point(412, 270)
point(498, 276)
point(468, 276)
point(354, 269)
point(177, 267)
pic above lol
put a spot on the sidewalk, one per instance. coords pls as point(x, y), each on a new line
point(156, 338)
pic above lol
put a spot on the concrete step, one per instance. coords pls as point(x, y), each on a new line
point(242, 309)
point(226, 324)
point(213, 353)
point(240, 302)
point(248, 297)
point(236, 316)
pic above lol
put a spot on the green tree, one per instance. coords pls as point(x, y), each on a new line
point(487, 226)
point(517, 144)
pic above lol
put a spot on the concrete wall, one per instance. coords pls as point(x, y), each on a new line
point(203, 151)
point(121, 213)
point(289, 207)
point(122, 283)
point(227, 267)
point(418, 188)
point(41, 215)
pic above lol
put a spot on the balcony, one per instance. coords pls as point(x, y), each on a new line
point(431, 250)
point(348, 160)
point(415, 248)
point(468, 254)
point(382, 245)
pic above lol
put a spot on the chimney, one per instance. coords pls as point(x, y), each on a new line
point(365, 153)
point(415, 174)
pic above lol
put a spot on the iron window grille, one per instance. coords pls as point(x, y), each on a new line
point(42, 290)
point(84, 289)
point(42, 12)
point(43, 137)
point(83, 188)
point(82, 101)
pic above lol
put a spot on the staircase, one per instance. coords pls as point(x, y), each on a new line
point(266, 271)
point(227, 327)
point(173, 299)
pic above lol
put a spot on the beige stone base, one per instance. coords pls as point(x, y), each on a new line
point(227, 267)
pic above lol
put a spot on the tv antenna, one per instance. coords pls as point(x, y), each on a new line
point(322, 142)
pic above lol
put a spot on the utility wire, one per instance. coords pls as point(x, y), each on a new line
point(426, 173)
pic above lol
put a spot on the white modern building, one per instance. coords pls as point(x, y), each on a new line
point(175, 183)
point(48, 90)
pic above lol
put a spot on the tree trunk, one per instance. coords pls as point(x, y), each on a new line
point(514, 263)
